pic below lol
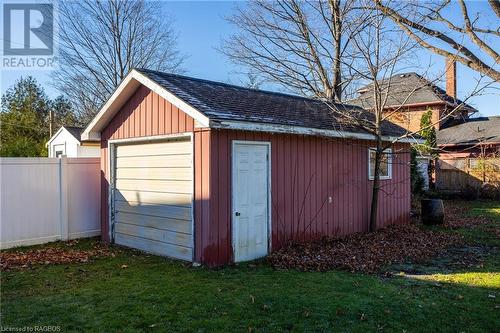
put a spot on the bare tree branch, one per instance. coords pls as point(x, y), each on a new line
point(422, 33)
point(101, 41)
point(298, 44)
point(495, 5)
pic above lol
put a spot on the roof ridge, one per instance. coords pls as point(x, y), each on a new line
point(233, 85)
point(483, 118)
point(427, 84)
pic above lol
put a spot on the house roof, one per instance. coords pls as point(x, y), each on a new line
point(409, 89)
point(221, 105)
point(75, 131)
point(471, 131)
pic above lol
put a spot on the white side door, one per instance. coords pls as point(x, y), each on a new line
point(250, 172)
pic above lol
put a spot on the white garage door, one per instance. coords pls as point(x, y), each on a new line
point(152, 198)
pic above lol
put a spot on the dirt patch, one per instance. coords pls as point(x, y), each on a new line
point(365, 252)
point(64, 254)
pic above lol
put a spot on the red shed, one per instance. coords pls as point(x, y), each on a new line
point(215, 173)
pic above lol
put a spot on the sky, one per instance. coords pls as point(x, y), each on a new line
point(201, 28)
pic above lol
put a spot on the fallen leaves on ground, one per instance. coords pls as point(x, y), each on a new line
point(365, 252)
point(370, 252)
point(457, 216)
point(51, 255)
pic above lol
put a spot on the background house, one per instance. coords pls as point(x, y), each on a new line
point(67, 142)
point(474, 137)
point(214, 173)
point(410, 95)
point(469, 154)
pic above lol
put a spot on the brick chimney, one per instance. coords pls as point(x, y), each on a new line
point(451, 77)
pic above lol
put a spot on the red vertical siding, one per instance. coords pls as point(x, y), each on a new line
point(205, 248)
point(305, 172)
point(198, 178)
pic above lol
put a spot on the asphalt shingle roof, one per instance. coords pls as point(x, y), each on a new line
point(408, 89)
point(221, 101)
point(471, 131)
point(75, 131)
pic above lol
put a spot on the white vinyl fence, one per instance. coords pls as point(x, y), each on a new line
point(47, 199)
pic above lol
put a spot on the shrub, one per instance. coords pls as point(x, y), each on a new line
point(417, 181)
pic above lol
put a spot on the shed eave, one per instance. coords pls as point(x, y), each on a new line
point(91, 136)
point(287, 129)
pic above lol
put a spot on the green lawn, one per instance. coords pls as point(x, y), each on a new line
point(486, 209)
point(483, 234)
point(156, 294)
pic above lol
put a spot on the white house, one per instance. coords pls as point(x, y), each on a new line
point(67, 141)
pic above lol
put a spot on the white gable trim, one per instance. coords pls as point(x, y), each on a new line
point(183, 106)
point(59, 132)
point(123, 92)
point(54, 136)
point(270, 128)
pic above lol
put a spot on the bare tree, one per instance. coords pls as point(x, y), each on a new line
point(468, 40)
point(297, 44)
point(323, 49)
point(377, 51)
point(102, 40)
point(252, 80)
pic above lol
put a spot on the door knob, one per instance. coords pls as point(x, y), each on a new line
point(237, 214)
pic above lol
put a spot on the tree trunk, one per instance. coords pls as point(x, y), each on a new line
point(337, 77)
point(51, 123)
point(431, 170)
point(375, 188)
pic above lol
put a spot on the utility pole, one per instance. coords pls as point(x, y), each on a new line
point(51, 123)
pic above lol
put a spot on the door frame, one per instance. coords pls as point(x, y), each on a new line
point(233, 177)
point(111, 170)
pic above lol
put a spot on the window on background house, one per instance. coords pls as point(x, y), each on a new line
point(385, 164)
point(59, 153)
